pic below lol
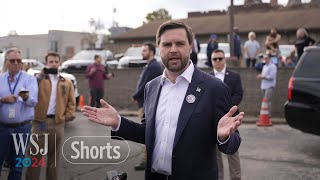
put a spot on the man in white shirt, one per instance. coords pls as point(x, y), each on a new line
point(268, 79)
point(56, 104)
point(186, 114)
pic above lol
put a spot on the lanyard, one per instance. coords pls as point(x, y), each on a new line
point(14, 88)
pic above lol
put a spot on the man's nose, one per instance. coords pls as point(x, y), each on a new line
point(173, 48)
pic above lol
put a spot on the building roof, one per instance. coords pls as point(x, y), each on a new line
point(285, 20)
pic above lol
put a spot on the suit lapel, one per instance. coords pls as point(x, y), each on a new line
point(195, 89)
point(150, 121)
point(227, 77)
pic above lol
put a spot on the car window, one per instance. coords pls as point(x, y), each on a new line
point(133, 51)
point(309, 65)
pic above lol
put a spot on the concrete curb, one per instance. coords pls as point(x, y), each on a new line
point(247, 120)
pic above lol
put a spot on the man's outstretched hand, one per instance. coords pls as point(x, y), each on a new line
point(106, 115)
point(228, 124)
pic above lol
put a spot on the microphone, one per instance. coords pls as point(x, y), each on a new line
point(121, 176)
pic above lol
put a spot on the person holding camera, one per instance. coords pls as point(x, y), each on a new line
point(18, 96)
point(97, 73)
point(55, 106)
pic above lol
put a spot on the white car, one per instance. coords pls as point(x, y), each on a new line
point(82, 59)
point(133, 58)
point(36, 66)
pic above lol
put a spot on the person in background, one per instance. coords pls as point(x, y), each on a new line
point(151, 70)
point(303, 40)
point(237, 44)
point(273, 39)
point(55, 106)
point(97, 73)
point(18, 97)
point(211, 46)
point(195, 50)
point(268, 79)
point(233, 80)
point(251, 50)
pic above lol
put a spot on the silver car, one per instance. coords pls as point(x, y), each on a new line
point(82, 59)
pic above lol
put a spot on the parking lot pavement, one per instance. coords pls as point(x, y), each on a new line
point(267, 153)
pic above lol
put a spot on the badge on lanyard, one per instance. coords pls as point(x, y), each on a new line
point(12, 112)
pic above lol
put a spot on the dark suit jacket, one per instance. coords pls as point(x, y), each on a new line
point(151, 71)
point(193, 156)
point(233, 80)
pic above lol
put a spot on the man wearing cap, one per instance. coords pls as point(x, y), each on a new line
point(212, 45)
point(268, 79)
point(233, 80)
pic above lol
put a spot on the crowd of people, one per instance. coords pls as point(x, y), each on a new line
point(251, 51)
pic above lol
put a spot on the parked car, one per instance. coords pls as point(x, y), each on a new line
point(133, 58)
point(82, 59)
point(302, 110)
point(202, 55)
point(36, 66)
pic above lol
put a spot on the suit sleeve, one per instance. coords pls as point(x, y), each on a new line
point(222, 108)
point(237, 92)
point(131, 131)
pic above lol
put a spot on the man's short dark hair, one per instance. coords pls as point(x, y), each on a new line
point(151, 47)
point(96, 56)
point(173, 24)
point(218, 51)
point(54, 54)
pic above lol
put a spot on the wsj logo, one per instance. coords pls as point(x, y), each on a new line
point(21, 144)
point(95, 150)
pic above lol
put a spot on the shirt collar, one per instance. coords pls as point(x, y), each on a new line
point(15, 76)
point(221, 72)
point(187, 74)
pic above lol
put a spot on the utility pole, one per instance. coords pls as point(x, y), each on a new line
point(231, 33)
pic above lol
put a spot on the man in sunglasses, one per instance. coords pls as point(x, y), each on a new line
point(233, 80)
point(18, 97)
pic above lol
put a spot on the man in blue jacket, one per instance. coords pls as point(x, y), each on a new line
point(187, 113)
point(151, 70)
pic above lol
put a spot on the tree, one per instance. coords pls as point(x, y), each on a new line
point(96, 25)
point(160, 14)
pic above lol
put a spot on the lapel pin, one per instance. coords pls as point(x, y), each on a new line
point(198, 89)
point(191, 98)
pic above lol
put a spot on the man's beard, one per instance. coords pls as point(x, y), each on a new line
point(183, 64)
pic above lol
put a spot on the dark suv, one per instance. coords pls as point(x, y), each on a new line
point(302, 110)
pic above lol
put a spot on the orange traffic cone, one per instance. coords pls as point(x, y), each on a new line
point(81, 102)
point(264, 119)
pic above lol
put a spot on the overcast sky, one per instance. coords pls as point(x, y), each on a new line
point(39, 16)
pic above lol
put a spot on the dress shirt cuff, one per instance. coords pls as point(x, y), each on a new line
point(224, 142)
point(118, 127)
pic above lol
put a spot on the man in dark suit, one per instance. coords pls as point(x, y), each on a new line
point(151, 70)
point(232, 79)
point(186, 114)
